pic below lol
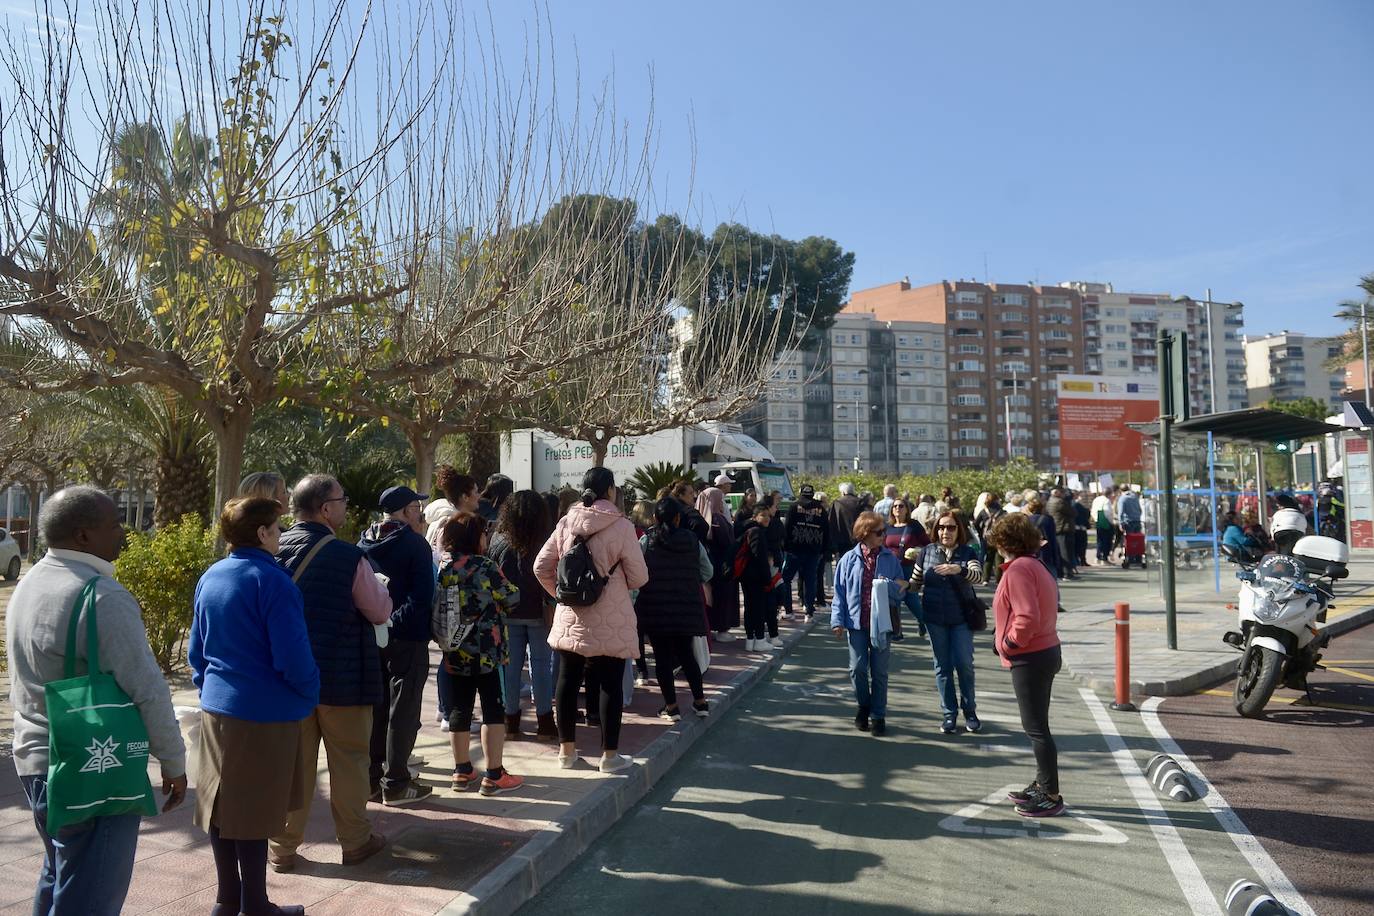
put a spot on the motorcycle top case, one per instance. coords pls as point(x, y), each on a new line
point(1318, 552)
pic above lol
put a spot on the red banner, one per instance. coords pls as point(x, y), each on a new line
point(1093, 413)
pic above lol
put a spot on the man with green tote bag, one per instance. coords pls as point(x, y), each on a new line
point(90, 671)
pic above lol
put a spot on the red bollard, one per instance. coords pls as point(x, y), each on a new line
point(1123, 658)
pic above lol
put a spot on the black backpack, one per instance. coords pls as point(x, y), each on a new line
point(579, 584)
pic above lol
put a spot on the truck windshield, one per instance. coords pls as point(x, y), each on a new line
point(775, 478)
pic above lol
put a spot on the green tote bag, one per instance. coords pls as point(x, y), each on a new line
point(97, 743)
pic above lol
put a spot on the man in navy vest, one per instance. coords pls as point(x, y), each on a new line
point(397, 548)
point(343, 602)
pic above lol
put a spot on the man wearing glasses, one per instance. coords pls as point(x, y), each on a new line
point(343, 602)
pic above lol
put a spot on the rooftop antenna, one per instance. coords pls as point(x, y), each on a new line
point(986, 279)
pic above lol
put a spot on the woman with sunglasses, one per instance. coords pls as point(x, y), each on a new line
point(939, 568)
point(905, 538)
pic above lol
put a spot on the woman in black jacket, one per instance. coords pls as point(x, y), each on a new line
point(670, 606)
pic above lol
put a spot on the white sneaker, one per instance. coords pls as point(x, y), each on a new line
point(788, 615)
point(725, 636)
point(748, 645)
point(444, 726)
point(615, 764)
point(567, 763)
point(775, 642)
point(641, 682)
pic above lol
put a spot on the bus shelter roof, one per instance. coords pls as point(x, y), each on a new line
point(1256, 424)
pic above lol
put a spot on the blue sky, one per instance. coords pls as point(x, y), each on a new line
point(1163, 147)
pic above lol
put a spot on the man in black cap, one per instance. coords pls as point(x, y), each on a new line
point(806, 540)
point(398, 549)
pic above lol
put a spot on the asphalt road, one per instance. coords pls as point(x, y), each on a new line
point(784, 808)
point(1300, 778)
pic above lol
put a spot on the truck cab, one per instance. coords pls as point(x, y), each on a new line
point(763, 476)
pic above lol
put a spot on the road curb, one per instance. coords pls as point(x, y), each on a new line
point(551, 849)
point(1203, 677)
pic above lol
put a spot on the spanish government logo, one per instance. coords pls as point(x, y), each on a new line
point(102, 756)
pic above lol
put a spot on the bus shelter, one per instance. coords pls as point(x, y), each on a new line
point(1216, 457)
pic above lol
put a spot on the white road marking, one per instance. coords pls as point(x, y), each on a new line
point(1186, 872)
point(1265, 867)
point(958, 823)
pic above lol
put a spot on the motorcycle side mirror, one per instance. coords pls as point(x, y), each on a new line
point(1336, 571)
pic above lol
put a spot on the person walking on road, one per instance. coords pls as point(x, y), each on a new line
point(852, 613)
point(251, 661)
point(522, 527)
point(86, 866)
point(1024, 635)
point(939, 570)
point(884, 506)
point(344, 602)
point(670, 607)
point(469, 623)
point(844, 512)
point(1060, 509)
point(905, 539)
point(1049, 547)
point(599, 637)
point(399, 551)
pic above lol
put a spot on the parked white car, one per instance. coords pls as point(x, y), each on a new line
point(9, 556)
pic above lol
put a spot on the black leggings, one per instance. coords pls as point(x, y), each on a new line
point(465, 689)
point(759, 610)
point(1032, 682)
point(607, 675)
point(241, 867)
point(671, 650)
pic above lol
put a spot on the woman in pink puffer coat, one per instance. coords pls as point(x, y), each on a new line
point(595, 640)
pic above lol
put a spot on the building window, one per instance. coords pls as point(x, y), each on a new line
point(969, 400)
point(1010, 299)
point(971, 348)
point(965, 296)
point(967, 315)
point(1013, 316)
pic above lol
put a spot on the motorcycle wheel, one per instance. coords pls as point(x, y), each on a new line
point(1256, 677)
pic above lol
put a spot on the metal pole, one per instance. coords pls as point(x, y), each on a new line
point(1261, 488)
point(1211, 372)
point(857, 458)
point(1212, 482)
point(1164, 354)
point(1364, 348)
point(887, 431)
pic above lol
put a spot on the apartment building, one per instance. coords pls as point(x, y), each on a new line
point(868, 394)
point(1120, 330)
point(1005, 343)
point(1287, 366)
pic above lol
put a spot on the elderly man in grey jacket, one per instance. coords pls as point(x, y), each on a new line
point(87, 869)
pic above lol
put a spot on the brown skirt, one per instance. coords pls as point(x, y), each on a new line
point(249, 776)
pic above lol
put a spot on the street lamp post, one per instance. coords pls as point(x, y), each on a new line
point(1015, 388)
point(1211, 370)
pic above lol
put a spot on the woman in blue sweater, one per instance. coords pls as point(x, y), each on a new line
point(251, 660)
point(864, 627)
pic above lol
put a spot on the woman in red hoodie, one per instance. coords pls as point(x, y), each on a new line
point(1025, 607)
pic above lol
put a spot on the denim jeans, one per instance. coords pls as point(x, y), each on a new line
point(912, 600)
point(808, 567)
point(87, 866)
point(953, 651)
point(531, 634)
point(868, 666)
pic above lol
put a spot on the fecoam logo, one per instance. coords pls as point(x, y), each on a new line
point(136, 749)
point(102, 755)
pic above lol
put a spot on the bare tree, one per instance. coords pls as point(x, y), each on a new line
point(260, 208)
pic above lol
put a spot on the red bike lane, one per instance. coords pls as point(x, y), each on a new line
point(1299, 778)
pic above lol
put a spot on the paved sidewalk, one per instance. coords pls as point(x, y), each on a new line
point(457, 853)
point(1088, 630)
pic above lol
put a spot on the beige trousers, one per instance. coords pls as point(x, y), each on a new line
point(346, 732)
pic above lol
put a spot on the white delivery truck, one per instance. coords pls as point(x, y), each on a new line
point(543, 461)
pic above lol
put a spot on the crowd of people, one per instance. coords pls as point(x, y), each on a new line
point(301, 638)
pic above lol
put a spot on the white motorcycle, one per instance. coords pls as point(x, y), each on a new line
point(1281, 600)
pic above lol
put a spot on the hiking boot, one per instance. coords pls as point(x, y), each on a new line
point(375, 844)
point(408, 794)
point(464, 781)
point(513, 727)
point(861, 720)
point(1040, 805)
point(547, 729)
point(504, 783)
